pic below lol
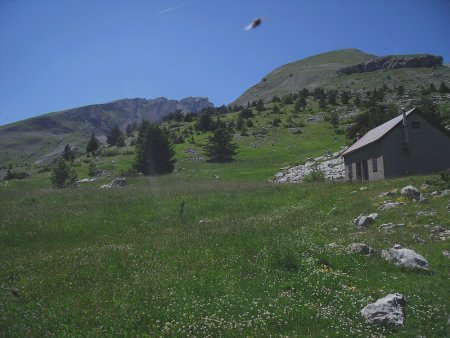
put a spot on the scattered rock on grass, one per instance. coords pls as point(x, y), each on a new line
point(405, 258)
point(86, 180)
point(362, 220)
point(386, 310)
point(389, 205)
point(360, 248)
point(116, 183)
point(411, 192)
point(388, 193)
point(440, 232)
point(390, 226)
point(427, 213)
point(418, 239)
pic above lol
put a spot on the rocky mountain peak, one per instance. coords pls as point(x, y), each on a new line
point(393, 62)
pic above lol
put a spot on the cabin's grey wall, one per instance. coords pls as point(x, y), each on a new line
point(428, 150)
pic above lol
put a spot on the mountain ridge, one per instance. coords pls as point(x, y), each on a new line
point(43, 136)
point(325, 70)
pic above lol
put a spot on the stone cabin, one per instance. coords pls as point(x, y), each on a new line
point(408, 144)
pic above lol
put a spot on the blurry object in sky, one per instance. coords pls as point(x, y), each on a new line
point(173, 8)
point(255, 23)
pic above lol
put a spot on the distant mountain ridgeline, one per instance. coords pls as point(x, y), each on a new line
point(393, 62)
point(44, 136)
point(349, 69)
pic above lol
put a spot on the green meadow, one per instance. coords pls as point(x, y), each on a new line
point(215, 249)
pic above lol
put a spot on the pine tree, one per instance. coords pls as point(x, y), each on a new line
point(115, 137)
point(219, 147)
point(345, 97)
point(68, 155)
point(62, 173)
point(93, 144)
point(430, 110)
point(443, 89)
point(154, 152)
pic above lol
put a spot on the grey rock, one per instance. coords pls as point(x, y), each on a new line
point(418, 239)
point(411, 192)
point(397, 246)
point(389, 205)
point(362, 220)
point(386, 310)
point(427, 213)
point(86, 180)
point(405, 258)
point(115, 183)
point(446, 253)
point(360, 248)
point(332, 167)
point(390, 226)
point(440, 232)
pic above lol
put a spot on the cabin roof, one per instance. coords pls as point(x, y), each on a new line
point(375, 134)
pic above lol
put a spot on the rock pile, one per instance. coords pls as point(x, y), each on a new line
point(331, 164)
point(116, 183)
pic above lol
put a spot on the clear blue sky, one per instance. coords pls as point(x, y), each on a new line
point(59, 54)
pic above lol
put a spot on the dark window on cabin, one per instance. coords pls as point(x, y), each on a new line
point(415, 125)
point(374, 165)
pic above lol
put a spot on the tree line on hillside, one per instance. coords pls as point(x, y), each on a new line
point(154, 143)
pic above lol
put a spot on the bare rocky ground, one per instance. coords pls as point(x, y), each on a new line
point(331, 164)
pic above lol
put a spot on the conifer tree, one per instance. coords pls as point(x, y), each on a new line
point(219, 147)
point(68, 155)
point(93, 144)
point(154, 151)
point(62, 173)
point(443, 89)
point(115, 137)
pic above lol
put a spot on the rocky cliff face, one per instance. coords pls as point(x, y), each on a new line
point(393, 62)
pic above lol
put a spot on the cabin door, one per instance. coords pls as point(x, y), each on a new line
point(365, 170)
point(362, 171)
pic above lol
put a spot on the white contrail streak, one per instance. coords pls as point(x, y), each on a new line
point(173, 8)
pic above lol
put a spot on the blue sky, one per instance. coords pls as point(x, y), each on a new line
point(60, 54)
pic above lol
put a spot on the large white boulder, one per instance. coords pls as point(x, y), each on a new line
point(405, 257)
point(386, 310)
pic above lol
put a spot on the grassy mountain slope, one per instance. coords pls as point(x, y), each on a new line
point(321, 71)
point(245, 257)
point(44, 136)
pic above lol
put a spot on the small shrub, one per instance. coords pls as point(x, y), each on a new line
point(92, 169)
point(128, 152)
point(130, 172)
point(285, 257)
point(15, 175)
point(109, 152)
point(62, 174)
point(442, 182)
point(315, 175)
